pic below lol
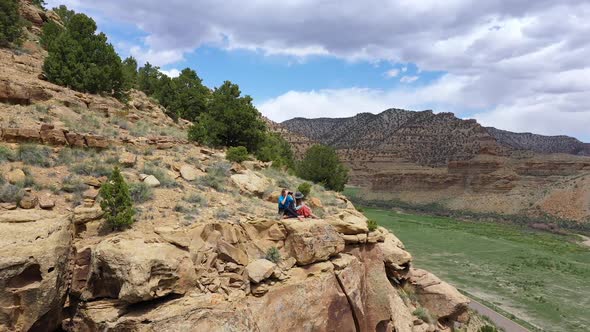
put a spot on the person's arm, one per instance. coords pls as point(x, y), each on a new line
point(284, 200)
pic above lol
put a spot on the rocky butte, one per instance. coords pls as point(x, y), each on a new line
point(192, 261)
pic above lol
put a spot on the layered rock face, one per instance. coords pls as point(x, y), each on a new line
point(210, 276)
point(423, 158)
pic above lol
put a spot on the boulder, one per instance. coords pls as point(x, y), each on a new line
point(90, 193)
point(84, 214)
point(260, 269)
point(310, 242)
point(440, 298)
point(127, 159)
point(53, 136)
point(29, 201)
point(151, 181)
point(133, 271)
point(189, 173)
point(230, 253)
point(349, 222)
point(33, 269)
point(394, 257)
point(46, 202)
point(97, 142)
point(15, 176)
point(251, 182)
point(314, 202)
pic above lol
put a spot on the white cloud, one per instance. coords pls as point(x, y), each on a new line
point(171, 73)
point(391, 73)
point(408, 79)
point(507, 53)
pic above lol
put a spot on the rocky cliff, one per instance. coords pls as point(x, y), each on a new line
point(422, 158)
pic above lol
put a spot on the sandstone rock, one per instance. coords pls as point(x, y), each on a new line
point(8, 206)
point(127, 159)
point(84, 214)
point(46, 202)
point(29, 201)
point(189, 173)
point(98, 142)
point(151, 181)
point(260, 269)
point(314, 202)
point(54, 137)
point(440, 298)
point(287, 263)
point(310, 242)
point(90, 193)
point(16, 176)
point(349, 222)
point(93, 182)
point(75, 139)
point(230, 253)
point(135, 271)
point(394, 257)
point(251, 182)
point(33, 269)
point(275, 310)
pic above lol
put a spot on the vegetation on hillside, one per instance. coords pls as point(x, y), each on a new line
point(79, 58)
point(10, 23)
point(322, 165)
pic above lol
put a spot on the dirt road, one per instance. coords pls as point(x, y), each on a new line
point(499, 320)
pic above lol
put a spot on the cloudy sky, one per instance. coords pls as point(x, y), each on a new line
point(520, 65)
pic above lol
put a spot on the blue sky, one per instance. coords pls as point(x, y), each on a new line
point(520, 66)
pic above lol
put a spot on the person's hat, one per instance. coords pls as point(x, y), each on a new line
point(298, 195)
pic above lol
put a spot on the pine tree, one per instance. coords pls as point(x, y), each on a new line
point(322, 165)
point(116, 201)
point(11, 27)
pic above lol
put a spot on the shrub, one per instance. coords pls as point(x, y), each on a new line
point(424, 315)
point(11, 27)
point(6, 154)
point(372, 225)
point(10, 193)
point(165, 180)
point(141, 192)
point(321, 165)
point(273, 254)
point(49, 34)
point(223, 214)
point(237, 154)
point(116, 201)
point(304, 188)
point(94, 167)
point(216, 176)
point(196, 199)
point(487, 328)
point(73, 184)
point(32, 154)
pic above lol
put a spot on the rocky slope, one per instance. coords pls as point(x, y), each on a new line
point(196, 257)
point(423, 158)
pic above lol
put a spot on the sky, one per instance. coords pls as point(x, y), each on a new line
point(519, 65)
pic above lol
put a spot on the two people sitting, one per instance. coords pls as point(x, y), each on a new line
point(292, 206)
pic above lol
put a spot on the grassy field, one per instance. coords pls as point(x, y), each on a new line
point(541, 278)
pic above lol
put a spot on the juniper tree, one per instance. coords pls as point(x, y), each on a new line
point(116, 201)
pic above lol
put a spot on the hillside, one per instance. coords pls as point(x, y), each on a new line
point(207, 251)
point(426, 159)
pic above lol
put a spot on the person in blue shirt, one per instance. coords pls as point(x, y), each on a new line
point(287, 205)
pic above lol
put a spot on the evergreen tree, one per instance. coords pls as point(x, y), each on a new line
point(231, 120)
point(322, 165)
point(129, 73)
point(276, 149)
point(39, 3)
point(148, 79)
point(82, 60)
point(190, 95)
point(64, 13)
point(11, 27)
point(116, 201)
point(50, 32)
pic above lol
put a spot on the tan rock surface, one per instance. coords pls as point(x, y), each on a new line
point(33, 269)
point(310, 242)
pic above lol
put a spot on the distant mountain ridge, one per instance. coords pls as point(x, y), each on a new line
point(443, 135)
